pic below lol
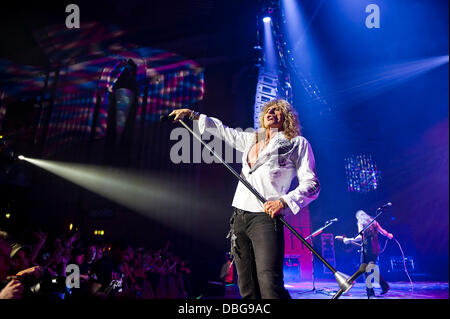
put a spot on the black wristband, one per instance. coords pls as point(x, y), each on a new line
point(194, 115)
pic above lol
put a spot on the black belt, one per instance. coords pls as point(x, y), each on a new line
point(239, 211)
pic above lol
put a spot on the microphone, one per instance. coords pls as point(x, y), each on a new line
point(385, 205)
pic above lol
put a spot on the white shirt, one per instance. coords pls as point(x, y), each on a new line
point(273, 173)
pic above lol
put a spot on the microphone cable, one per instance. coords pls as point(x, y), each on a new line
point(404, 264)
point(385, 245)
point(404, 261)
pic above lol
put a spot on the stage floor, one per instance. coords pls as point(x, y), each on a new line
point(326, 289)
point(399, 290)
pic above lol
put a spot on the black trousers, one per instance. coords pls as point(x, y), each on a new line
point(257, 245)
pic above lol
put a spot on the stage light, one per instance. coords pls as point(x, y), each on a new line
point(267, 19)
point(21, 157)
point(8, 215)
point(70, 226)
point(369, 82)
point(99, 232)
point(269, 48)
point(145, 193)
point(362, 173)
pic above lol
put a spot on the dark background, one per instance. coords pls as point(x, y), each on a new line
point(404, 126)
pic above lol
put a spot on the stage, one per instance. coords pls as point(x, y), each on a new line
point(326, 288)
point(147, 145)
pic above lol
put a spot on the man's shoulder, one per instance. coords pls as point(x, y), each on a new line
point(300, 140)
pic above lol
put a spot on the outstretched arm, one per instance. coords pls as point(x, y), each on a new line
point(236, 138)
point(351, 240)
point(384, 232)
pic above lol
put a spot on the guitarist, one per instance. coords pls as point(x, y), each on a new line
point(370, 245)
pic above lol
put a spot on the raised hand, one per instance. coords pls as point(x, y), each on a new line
point(180, 114)
point(41, 236)
point(13, 290)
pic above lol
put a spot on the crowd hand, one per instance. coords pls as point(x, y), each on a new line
point(54, 256)
point(166, 247)
point(186, 270)
point(180, 114)
point(84, 277)
point(13, 290)
point(57, 252)
point(273, 207)
point(347, 241)
point(128, 271)
point(66, 256)
point(72, 239)
point(390, 236)
point(41, 236)
point(172, 268)
point(58, 243)
point(140, 272)
point(35, 271)
point(126, 268)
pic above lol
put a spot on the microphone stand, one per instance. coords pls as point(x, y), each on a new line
point(314, 234)
point(340, 277)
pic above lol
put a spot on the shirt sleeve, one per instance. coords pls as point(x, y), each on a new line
point(309, 187)
point(236, 138)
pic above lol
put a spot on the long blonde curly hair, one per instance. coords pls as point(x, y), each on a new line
point(364, 219)
point(291, 124)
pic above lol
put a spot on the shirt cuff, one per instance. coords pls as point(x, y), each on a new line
point(201, 123)
point(292, 204)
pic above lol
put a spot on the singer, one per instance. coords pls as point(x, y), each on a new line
point(370, 245)
point(272, 158)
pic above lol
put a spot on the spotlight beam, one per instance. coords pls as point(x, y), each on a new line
point(155, 196)
point(377, 80)
point(269, 47)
